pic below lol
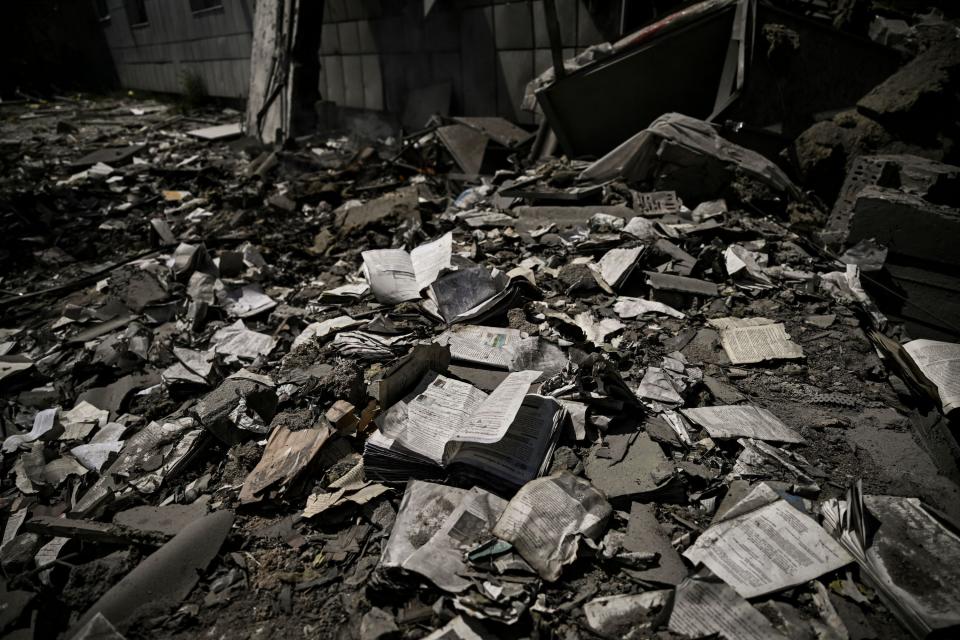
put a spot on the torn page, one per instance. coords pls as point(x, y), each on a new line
point(441, 559)
point(767, 549)
point(747, 345)
point(617, 264)
point(423, 510)
point(895, 540)
point(704, 607)
point(237, 340)
point(246, 301)
point(460, 628)
point(627, 308)
point(597, 332)
point(490, 421)
point(320, 330)
point(546, 519)
point(391, 275)
point(430, 258)
point(436, 416)
point(46, 424)
point(742, 421)
point(523, 453)
point(940, 363)
point(459, 292)
point(496, 347)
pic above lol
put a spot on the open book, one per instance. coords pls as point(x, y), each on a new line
point(906, 553)
point(446, 426)
point(929, 366)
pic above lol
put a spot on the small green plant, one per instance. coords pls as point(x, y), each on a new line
point(194, 88)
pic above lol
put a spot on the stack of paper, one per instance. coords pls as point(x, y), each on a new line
point(447, 426)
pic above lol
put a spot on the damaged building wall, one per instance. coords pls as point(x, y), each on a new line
point(384, 56)
point(180, 46)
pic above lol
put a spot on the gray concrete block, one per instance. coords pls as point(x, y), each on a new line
point(907, 225)
point(513, 25)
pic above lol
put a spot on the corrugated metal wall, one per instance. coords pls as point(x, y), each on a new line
point(215, 44)
point(373, 52)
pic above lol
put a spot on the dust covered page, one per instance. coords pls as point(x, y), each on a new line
point(517, 457)
point(940, 362)
point(746, 345)
point(391, 275)
point(742, 421)
point(768, 549)
point(441, 559)
point(702, 608)
point(430, 258)
point(489, 422)
point(546, 518)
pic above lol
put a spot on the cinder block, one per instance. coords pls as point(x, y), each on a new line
point(907, 224)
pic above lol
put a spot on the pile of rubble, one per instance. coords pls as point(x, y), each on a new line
point(353, 390)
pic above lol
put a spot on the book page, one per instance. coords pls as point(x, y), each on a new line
point(746, 345)
point(703, 608)
point(517, 458)
point(742, 421)
point(489, 422)
point(423, 510)
point(546, 518)
point(768, 549)
point(438, 415)
point(940, 362)
point(391, 275)
point(490, 346)
point(441, 559)
point(616, 265)
point(430, 259)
